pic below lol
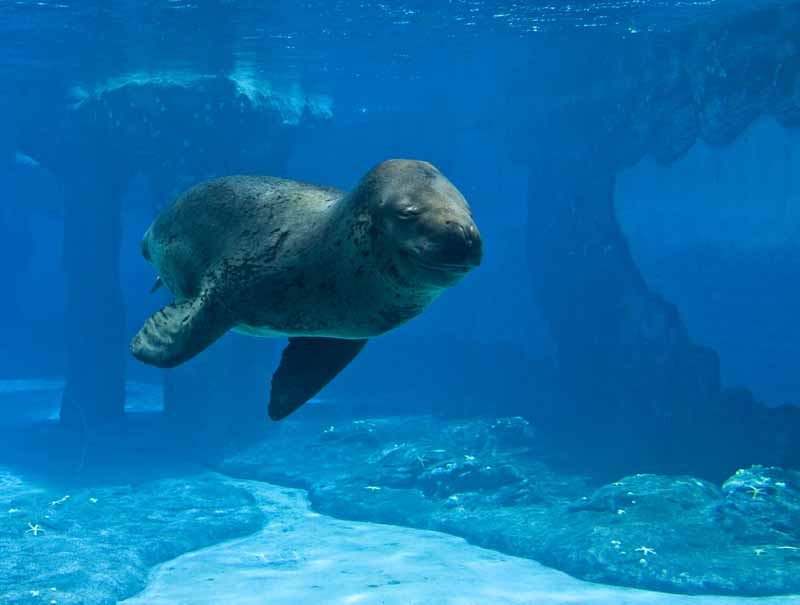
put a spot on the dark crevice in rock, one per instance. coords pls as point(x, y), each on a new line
point(641, 393)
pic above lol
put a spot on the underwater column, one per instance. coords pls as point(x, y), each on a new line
point(95, 313)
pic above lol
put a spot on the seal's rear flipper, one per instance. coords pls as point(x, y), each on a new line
point(179, 331)
point(307, 365)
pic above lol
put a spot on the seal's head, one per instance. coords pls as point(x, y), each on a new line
point(422, 221)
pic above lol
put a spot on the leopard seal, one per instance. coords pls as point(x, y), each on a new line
point(326, 268)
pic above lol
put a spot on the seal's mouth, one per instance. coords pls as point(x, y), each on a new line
point(458, 269)
point(444, 267)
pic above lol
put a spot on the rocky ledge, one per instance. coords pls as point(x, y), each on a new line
point(88, 525)
point(96, 544)
point(493, 483)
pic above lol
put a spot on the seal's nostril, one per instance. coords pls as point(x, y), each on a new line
point(465, 235)
point(472, 236)
point(461, 244)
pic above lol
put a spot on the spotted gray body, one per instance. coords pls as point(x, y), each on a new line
point(278, 258)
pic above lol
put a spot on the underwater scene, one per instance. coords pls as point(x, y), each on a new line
point(414, 302)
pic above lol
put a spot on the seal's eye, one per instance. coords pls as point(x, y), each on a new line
point(408, 212)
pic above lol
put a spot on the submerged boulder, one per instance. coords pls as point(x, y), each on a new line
point(681, 534)
point(762, 507)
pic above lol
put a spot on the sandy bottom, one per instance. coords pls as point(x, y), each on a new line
point(304, 557)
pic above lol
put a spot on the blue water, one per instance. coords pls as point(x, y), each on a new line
point(632, 167)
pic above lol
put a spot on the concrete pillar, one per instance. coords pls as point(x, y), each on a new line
point(95, 315)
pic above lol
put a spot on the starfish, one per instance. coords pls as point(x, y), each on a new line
point(759, 551)
point(35, 529)
point(646, 551)
point(421, 460)
point(755, 491)
point(469, 457)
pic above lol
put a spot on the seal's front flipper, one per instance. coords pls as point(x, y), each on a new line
point(307, 365)
point(180, 331)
